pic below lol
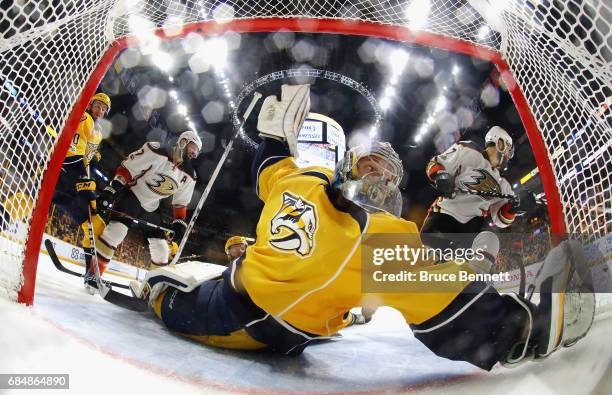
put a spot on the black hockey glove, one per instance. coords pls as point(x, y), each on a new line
point(86, 190)
point(109, 194)
point(179, 227)
point(444, 183)
point(524, 202)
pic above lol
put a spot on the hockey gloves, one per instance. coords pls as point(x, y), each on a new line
point(86, 190)
point(524, 202)
point(178, 227)
point(444, 183)
point(108, 195)
point(282, 120)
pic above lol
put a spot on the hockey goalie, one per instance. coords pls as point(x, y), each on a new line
point(296, 283)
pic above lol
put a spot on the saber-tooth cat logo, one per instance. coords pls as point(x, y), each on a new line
point(294, 226)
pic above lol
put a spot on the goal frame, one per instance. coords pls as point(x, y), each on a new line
point(297, 25)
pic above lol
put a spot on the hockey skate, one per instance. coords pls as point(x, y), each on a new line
point(567, 304)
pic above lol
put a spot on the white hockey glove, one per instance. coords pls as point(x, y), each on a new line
point(282, 120)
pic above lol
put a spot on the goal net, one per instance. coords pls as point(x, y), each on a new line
point(554, 56)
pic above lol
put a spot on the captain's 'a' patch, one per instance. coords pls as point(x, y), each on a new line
point(294, 226)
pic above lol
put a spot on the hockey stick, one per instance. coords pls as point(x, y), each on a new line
point(139, 221)
point(540, 199)
point(487, 194)
point(60, 266)
point(196, 212)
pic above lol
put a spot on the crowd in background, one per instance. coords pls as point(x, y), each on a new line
point(133, 251)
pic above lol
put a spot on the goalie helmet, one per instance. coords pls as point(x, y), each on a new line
point(101, 97)
point(501, 140)
point(370, 177)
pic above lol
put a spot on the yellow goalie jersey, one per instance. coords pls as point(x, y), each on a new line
point(85, 141)
point(305, 267)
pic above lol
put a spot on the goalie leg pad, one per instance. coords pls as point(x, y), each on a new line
point(479, 326)
point(185, 276)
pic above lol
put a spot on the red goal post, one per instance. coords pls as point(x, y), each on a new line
point(518, 45)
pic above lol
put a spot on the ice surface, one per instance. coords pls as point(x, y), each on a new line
point(106, 349)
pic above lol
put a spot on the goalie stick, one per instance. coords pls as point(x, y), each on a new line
point(213, 178)
point(112, 296)
point(60, 266)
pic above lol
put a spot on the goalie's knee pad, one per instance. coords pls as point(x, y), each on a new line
point(111, 237)
point(159, 251)
point(98, 228)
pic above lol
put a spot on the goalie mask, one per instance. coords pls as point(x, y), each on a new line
point(180, 148)
point(369, 177)
point(502, 142)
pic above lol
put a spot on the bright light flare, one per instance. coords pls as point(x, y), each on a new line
point(418, 12)
point(216, 50)
point(484, 32)
point(399, 59)
point(182, 109)
point(163, 61)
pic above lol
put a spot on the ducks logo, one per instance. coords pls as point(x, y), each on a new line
point(294, 226)
point(163, 185)
point(483, 182)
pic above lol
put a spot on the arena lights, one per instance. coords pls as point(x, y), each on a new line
point(440, 105)
point(216, 50)
point(484, 32)
point(417, 13)
point(163, 61)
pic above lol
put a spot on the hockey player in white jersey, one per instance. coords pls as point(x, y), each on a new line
point(147, 176)
point(465, 177)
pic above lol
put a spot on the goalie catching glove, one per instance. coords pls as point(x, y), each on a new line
point(282, 120)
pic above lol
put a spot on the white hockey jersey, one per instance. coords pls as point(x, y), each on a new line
point(472, 171)
point(153, 176)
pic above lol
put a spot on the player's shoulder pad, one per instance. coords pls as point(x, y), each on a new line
point(156, 148)
point(470, 144)
point(154, 145)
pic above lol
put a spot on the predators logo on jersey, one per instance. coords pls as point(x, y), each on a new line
point(163, 185)
point(483, 182)
point(294, 226)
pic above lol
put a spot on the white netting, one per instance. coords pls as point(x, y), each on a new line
point(558, 51)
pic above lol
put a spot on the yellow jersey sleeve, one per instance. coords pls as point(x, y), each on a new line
point(272, 174)
point(86, 140)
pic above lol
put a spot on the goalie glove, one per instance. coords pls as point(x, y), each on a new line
point(282, 120)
